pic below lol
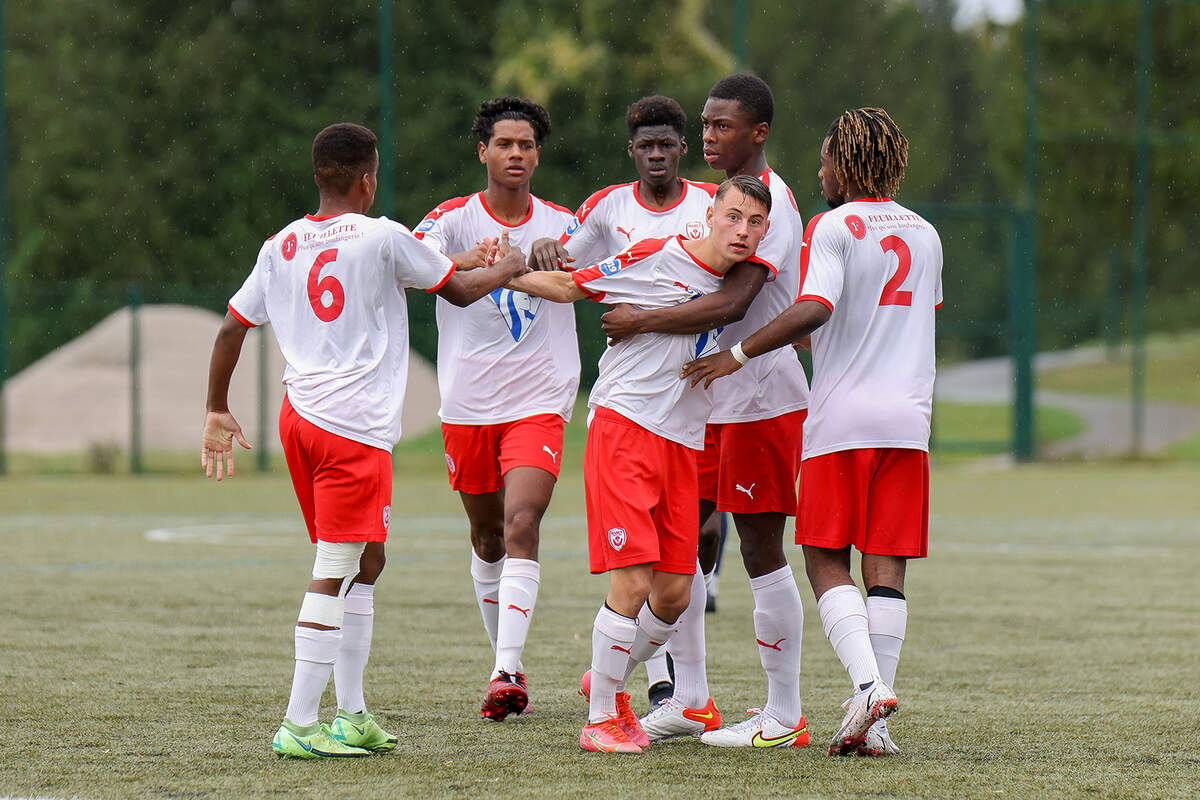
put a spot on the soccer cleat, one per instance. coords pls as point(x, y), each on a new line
point(758, 731)
point(877, 742)
point(312, 741)
point(606, 737)
point(863, 710)
point(673, 718)
point(361, 730)
point(505, 695)
point(660, 693)
point(629, 721)
point(520, 676)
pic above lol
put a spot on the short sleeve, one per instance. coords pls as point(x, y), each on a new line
point(416, 262)
point(583, 235)
point(822, 262)
point(249, 303)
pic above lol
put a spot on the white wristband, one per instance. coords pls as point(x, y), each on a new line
point(739, 356)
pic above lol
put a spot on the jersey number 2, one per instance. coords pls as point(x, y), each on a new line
point(892, 296)
point(318, 286)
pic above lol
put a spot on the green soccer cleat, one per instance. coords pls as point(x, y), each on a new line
point(313, 741)
point(361, 730)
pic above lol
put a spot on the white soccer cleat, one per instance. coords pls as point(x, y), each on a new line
point(876, 702)
point(672, 718)
point(758, 731)
point(877, 742)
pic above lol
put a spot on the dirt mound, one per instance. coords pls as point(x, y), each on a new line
point(78, 396)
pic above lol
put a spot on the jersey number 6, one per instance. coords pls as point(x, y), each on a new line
point(318, 286)
point(892, 296)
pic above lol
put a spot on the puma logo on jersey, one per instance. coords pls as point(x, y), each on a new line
point(773, 646)
point(553, 454)
point(525, 611)
point(749, 492)
point(628, 233)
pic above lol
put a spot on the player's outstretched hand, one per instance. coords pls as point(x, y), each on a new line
point(481, 255)
point(620, 322)
point(709, 368)
point(510, 256)
point(547, 255)
point(220, 429)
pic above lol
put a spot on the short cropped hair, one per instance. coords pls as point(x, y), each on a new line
point(656, 109)
point(748, 185)
point(751, 93)
point(341, 153)
point(518, 108)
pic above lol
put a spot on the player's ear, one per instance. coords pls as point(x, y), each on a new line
point(537, 155)
point(760, 132)
point(682, 146)
point(629, 148)
point(708, 218)
point(482, 148)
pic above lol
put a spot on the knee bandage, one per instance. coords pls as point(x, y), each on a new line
point(334, 560)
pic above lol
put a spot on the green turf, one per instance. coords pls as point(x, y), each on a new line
point(1051, 649)
point(1172, 372)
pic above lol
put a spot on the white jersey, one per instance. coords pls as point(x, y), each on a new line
point(507, 355)
point(333, 290)
point(878, 267)
point(773, 384)
point(639, 376)
point(615, 217)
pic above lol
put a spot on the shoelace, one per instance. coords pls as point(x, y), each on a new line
point(755, 721)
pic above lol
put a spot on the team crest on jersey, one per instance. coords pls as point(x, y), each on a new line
point(617, 538)
point(518, 310)
point(610, 267)
point(450, 464)
point(694, 230)
point(387, 516)
point(858, 228)
point(288, 248)
point(426, 226)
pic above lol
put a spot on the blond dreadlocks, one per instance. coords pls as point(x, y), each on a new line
point(867, 147)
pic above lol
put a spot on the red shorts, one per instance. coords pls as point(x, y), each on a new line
point(478, 456)
point(876, 499)
point(642, 506)
point(751, 467)
point(344, 487)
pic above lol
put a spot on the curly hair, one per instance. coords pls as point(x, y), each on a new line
point(341, 153)
point(867, 147)
point(656, 109)
point(751, 93)
point(518, 108)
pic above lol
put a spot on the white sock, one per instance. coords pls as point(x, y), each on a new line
point(778, 624)
point(887, 617)
point(357, 625)
point(517, 595)
point(486, 577)
point(316, 652)
point(652, 635)
point(656, 668)
point(710, 582)
point(844, 618)
point(612, 639)
point(687, 650)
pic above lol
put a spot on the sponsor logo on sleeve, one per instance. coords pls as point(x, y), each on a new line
point(610, 267)
point(617, 538)
point(426, 226)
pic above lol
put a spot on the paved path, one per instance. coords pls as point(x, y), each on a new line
point(1107, 421)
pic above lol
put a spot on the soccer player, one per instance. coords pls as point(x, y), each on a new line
point(872, 280)
point(752, 448)
point(646, 425)
point(508, 371)
point(658, 204)
point(332, 286)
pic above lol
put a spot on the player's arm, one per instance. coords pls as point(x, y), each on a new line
point(547, 254)
point(558, 287)
point(220, 427)
point(792, 325)
point(728, 304)
point(465, 287)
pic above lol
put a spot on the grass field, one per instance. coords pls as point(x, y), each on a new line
point(1051, 652)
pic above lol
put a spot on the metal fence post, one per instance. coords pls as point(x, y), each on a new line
point(135, 379)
